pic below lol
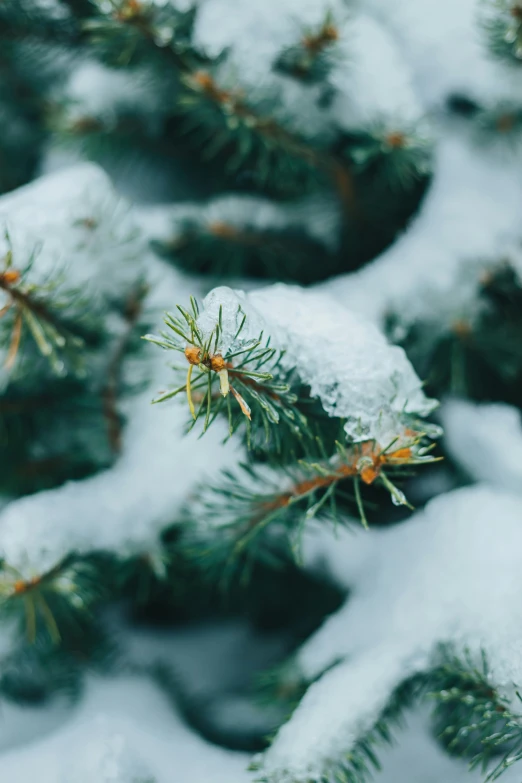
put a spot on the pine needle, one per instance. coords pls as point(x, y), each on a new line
point(15, 342)
point(189, 392)
point(359, 501)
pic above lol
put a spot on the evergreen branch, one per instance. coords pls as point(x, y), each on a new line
point(233, 524)
point(34, 672)
point(359, 764)
point(310, 60)
point(394, 157)
point(225, 120)
point(130, 30)
point(264, 398)
point(502, 26)
point(222, 118)
point(283, 684)
point(224, 249)
point(37, 310)
point(479, 355)
point(52, 603)
point(271, 403)
point(472, 718)
point(502, 122)
point(362, 760)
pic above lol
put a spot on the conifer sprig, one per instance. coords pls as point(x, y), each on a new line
point(226, 250)
point(503, 28)
point(52, 602)
point(472, 717)
point(225, 119)
point(128, 32)
point(317, 467)
point(395, 157)
point(362, 761)
point(311, 58)
point(478, 355)
point(474, 720)
point(221, 119)
point(233, 523)
point(212, 379)
point(41, 311)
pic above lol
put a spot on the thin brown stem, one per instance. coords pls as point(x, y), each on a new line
point(20, 298)
point(110, 390)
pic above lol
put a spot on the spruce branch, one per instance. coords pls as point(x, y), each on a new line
point(226, 250)
point(51, 603)
point(35, 671)
point(393, 156)
point(502, 23)
point(472, 717)
point(261, 398)
point(127, 32)
point(317, 462)
point(233, 524)
point(479, 354)
point(360, 763)
point(222, 119)
point(500, 123)
point(225, 120)
point(310, 59)
point(40, 310)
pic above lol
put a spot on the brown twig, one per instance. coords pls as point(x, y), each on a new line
point(367, 461)
point(110, 390)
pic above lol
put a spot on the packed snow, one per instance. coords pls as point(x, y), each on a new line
point(414, 586)
point(74, 223)
point(124, 508)
point(124, 731)
point(469, 222)
point(363, 52)
point(346, 362)
point(486, 440)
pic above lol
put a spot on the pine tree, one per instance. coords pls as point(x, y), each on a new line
point(260, 432)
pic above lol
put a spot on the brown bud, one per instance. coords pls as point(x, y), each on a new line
point(462, 329)
point(220, 229)
point(505, 123)
point(130, 9)
point(193, 354)
point(204, 80)
point(22, 586)
point(217, 363)
point(10, 276)
point(396, 139)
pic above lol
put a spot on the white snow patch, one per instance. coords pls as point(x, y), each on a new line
point(368, 73)
point(486, 440)
point(123, 731)
point(469, 220)
point(446, 49)
point(78, 226)
point(372, 80)
point(122, 509)
point(416, 585)
point(345, 360)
